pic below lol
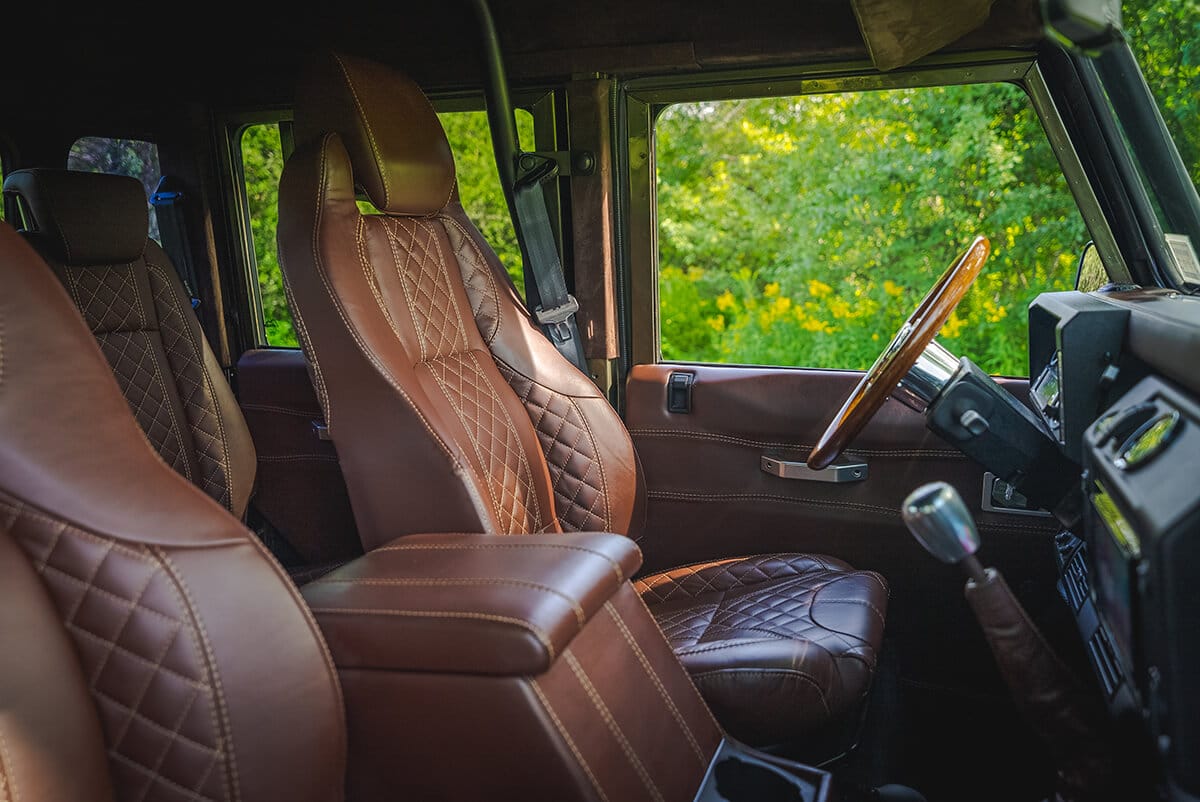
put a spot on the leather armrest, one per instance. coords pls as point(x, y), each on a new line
point(468, 603)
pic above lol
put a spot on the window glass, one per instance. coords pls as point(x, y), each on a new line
point(479, 189)
point(804, 230)
point(1165, 38)
point(131, 157)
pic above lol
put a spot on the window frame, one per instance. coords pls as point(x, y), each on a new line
point(545, 104)
point(643, 99)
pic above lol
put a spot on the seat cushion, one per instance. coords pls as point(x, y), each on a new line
point(778, 644)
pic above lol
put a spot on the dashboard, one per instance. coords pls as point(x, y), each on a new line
point(1116, 382)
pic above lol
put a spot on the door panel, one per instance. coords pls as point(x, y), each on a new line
point(707, 498)
point(300, 490)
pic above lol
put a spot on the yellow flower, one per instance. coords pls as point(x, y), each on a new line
point(954, 325)
point(839, 308)
point(781, 305)
point(892, 288)
point(717, 323)
point(812, 324)
point(726, 301)
point(818, 288)
point(771, 290)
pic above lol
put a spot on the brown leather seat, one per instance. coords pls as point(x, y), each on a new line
point(451, 412)
point(152, 649)
point(92, 229)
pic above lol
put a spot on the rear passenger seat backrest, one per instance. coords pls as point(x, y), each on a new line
point(92, 229)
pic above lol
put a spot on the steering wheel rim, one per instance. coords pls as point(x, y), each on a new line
point(900, 354)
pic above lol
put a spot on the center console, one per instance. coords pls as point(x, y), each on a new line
point(524, 667)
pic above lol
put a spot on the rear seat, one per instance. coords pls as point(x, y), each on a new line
point(92, 229)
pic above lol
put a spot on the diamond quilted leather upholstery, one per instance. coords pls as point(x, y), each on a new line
point(779, 644)
point(172, 609)
point(451, 411)
point(91, 228)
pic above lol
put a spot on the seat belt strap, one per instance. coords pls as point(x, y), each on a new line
point(167, 201)
point(551, 305)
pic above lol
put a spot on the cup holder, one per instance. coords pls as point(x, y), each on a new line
point(741, 774)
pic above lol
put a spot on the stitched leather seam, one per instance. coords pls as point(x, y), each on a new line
point(157, 778)
point(580, 615)
point(443, 269)
point(364, 263)
point(8, 777)
point(703, 703)
point(537, 632)
point(613, 727)
point(370, 133)
point(363, 348)
point(526, 468)
point(314, 629)
point(1, 348)
point(861, 602)
point(599, 463)
point(226, 464)
point(308, 349)
point(674, 495)
point(616, 566)
point(800, 675)
point(220, 710)
point(690, 650)
point(742, 441)
point(187, 463)
point(658, 683)
point(154, 725)
point(484, 269)
point(570, 742)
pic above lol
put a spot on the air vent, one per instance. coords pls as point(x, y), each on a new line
point(1104, 658)
point(1074, 585)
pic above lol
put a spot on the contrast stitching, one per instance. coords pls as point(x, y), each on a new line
point(465, 582)
point(221, 708)
point(583, 764)
point(769, 672)
point(366, 351)
point(300, 413)
point(740, 643)
point(662, 691)
point(599, 462)
point(485, 269)
point(387, 195)
point(613, 727)
point(470, 546)
point(1, 347)
point(226, 463)
point(741, 441)
point(465, 614)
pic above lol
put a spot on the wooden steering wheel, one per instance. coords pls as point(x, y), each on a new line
point(901, 354)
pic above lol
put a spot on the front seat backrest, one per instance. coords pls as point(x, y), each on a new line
point(150, 647)
point(415, 336)
point(92, 229)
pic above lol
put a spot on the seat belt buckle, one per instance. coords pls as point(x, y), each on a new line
point(555, 318)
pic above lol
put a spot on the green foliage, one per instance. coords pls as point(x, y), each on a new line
point(1165, 38)
point(478, 184)
point(803, 231)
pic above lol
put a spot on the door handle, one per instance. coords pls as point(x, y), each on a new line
point(836, 474)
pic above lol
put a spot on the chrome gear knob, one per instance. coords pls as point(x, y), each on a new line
point(939, 520)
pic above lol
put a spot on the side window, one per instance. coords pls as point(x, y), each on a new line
point(131, 157)
point(804, 230)
point(478, 185)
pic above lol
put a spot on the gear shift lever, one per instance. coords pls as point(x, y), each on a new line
point(938, 519)
point(1043, 688)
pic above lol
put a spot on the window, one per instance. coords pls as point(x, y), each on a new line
point(804, 230)
point(131, 157)
point(478, 185)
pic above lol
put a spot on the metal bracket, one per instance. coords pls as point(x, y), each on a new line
point(1000, 496)
point(836, 474)
point(538, 165)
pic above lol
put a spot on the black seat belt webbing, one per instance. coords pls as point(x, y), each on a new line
point(555, 307)
point(167, 202)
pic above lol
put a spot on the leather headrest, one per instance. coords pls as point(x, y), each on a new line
point(84, 218)
point(397, 147)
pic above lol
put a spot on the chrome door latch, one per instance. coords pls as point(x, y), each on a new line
point(837, 474)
